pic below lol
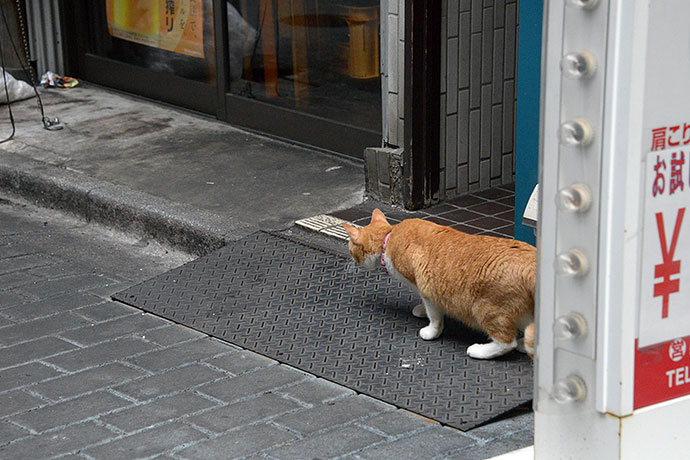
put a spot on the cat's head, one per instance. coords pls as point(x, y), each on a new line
point(365, 243)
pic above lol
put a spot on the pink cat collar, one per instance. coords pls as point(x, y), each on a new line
point(383, 251)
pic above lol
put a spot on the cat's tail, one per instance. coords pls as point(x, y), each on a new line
point(529, 330)
point(529, 340)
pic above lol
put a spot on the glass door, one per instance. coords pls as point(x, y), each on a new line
point(303, 70)
point(160, 49)
point(315, 62)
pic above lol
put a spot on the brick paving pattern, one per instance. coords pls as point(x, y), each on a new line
point(83, 377)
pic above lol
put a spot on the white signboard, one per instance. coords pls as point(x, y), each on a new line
point(665, 289)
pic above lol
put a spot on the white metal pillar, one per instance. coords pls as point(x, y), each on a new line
point(613, 313)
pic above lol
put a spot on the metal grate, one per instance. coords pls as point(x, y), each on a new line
point(325, 224)
point(325, 315)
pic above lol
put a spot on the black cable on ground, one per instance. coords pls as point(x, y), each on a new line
point(7, 93)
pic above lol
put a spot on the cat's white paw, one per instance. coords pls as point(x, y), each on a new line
point(419, 311)
point(490, 350)
point(430, 332)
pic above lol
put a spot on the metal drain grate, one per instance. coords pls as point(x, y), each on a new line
point(327, 225)
point(325, 315)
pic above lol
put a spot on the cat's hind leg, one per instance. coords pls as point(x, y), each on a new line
point(503, 336)
point(419, 311)
point(435, 315)
point(490, 350)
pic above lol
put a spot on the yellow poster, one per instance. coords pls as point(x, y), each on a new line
point(173, 25)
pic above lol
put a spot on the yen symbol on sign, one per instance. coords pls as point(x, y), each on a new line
point(668, 267)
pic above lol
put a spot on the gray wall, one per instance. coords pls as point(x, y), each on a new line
point(479, 56)
point(393, 70)
point(43, 36)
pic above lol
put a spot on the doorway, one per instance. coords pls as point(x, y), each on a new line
point(303, 70)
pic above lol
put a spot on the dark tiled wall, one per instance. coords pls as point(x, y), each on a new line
point(478, 94)
point(488, 212)
point(479, 55)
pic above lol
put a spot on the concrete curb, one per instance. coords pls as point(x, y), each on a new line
point(180, 226)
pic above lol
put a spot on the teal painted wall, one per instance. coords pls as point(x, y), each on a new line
point(528, 104)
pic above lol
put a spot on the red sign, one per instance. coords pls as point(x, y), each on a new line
point(662, 372)
point(662, 358)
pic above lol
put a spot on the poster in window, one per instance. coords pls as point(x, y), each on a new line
point(173, 25)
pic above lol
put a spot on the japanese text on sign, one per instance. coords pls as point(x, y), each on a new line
point(666, 137)
point(665, 281)
point(674, 174)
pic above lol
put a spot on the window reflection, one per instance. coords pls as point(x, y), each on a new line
point(319, 56)
point(170, 36)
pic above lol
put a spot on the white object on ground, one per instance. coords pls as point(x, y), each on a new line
point(16, 89)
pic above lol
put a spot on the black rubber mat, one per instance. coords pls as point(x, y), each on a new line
point(322, 313)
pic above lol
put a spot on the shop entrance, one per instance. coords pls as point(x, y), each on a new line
point(303, 70)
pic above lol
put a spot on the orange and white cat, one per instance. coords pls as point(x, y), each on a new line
point(486, 282)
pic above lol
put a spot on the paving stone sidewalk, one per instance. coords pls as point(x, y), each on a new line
point(83, 377)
